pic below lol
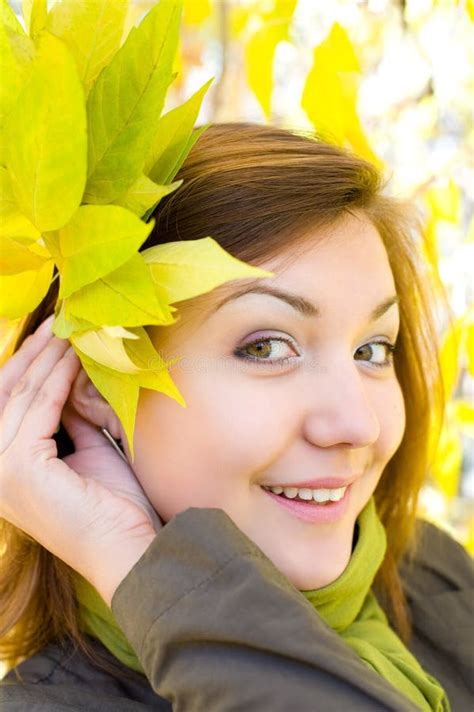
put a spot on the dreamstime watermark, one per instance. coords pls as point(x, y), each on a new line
point(207, 364)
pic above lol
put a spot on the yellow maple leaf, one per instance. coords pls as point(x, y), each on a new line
point(330, 94)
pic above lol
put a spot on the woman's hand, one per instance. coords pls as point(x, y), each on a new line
point(88, 509)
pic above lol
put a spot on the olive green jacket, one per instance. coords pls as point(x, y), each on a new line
point(217, 627)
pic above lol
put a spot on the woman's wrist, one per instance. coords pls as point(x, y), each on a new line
point(117, 563)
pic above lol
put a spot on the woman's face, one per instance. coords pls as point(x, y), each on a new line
point(315, 398)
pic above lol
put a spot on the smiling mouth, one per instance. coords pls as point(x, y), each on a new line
point(309, 510)
point(317, 497)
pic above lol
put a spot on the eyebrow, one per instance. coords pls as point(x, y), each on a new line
point(301, 305)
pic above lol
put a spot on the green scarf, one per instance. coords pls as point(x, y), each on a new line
point(347, 605)
point(350, 608)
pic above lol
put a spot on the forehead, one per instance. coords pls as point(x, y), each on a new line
point(345, 255)
point(347, 258)
point(343, 263)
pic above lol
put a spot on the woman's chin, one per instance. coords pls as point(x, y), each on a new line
point(306, 583)
point(318, 576)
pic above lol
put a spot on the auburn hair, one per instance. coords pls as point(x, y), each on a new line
point(255, 189)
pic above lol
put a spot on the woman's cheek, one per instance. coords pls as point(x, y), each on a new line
point(393, 419)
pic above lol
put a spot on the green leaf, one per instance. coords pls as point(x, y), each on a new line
point(120, 390)
point(260, 50)
point(35, 14)
point(12, 222)
point(464, 416)
point(186, 149)
point(65, 325)
point(154, 375)
point(92, 30)
point(106, 349)
point(161, 381)
point(21, 293)
point(444, 200)
point(330, 94)
point(179, 161)
point(47, 144)
point(97, 240)
point(125, 297)
point(144, 195)
point(449, 355)
point(16, 55)
point(9, 19)
point(446, 465)
point(188, 268)
point(142, 352)
point(51, 239)
point(469, 343)
point(125, 101)
point(195, 13)
point(173, 132)
point(16, 257)
point(117, 331)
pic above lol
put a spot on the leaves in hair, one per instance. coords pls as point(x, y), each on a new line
point(81, 171)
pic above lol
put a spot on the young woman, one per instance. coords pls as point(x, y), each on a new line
point(263, 553)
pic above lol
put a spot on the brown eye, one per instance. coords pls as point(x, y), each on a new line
point(260, 351)
point(382, 348)
point(260, 348)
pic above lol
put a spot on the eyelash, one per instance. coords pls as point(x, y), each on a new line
point(240, 352)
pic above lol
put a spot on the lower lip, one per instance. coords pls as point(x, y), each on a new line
point(316, 513)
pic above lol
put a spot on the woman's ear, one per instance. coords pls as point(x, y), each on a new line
point(92, 406)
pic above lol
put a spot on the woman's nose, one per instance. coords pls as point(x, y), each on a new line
point(341, 410)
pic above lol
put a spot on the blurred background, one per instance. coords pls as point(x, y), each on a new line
point(394, 81)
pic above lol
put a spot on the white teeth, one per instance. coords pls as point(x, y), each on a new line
point(318, 495)
point(337, 494)
point(321, 495)
point(277, 489)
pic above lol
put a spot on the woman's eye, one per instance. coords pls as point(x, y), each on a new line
point(379, 350)
point(273, 350)
point(264, 351)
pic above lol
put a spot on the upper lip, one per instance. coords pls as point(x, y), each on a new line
point(323, 483)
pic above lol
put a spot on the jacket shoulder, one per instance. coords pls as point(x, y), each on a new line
point(61, 698)
point(439, 584)
point(440, 564)
point(60, 678)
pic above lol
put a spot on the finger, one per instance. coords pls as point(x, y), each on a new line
point(18, 363)
point(82, 432)
point(44, 413)
point(27, 388)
